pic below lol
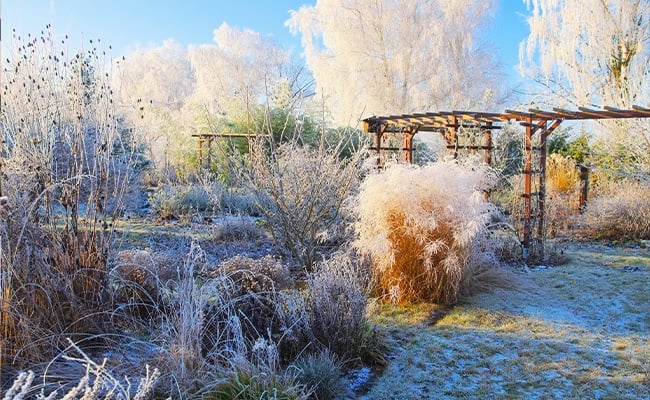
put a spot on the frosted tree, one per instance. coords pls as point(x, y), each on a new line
point(151, 86)
point(590, 51)
point(175, 91)
point(236, 73)
point(386, 56)
point(161, 76)
point(596, 52)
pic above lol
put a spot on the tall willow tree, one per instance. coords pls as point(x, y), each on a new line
point(596, 52)
point(590, 51)
point(387, 56)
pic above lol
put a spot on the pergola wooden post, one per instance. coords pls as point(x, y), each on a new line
point(452, 136)
point(534, 163)
point(199, 148)
point(209, 138)
point(584, 187)
point(487, 143)
point(407, 146)
point(377, 144)
point(528, 178)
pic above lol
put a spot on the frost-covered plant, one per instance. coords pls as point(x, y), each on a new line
point(337, 305)
point(201, 330)
point(561, 174)
point(562, 192)
point(98, 382)
point(239, 229)
point(321, 372)
point(173, 201)
point(240, 201)
point(329, 312)
point(255, 292)
point(419, 225)
point(300, 192)
point(621, 211)
point(219, 326)
point(67, 160)
point(250, 384)
point(261, 275)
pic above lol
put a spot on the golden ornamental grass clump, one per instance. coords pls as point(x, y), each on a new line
point(562, 175)
point(418, 224)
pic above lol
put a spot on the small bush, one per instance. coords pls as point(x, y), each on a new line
point(265, 274)
point(238, 229)
point(300, 192)
point(238, 201)
point(97, 383)
point(171, 202)
point(329, 313)
point(420, 224)
point(294, 330)
point(254, 385)
point(337, 305)
point(321, 372)
point(621, 211)
point(137, 282)
point(258, 283)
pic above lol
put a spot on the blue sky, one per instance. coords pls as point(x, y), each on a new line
point(130, 24)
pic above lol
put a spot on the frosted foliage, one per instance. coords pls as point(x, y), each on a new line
point(590, 51)
point(242, 64)
point(382, 57)
point(419, 223)
point(171, 89)
point(161, 75)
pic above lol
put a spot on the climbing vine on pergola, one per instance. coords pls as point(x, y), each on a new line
point(538, 126)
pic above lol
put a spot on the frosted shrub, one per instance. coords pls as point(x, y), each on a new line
point(561, 174)
point(256, 287)
point(201, 331)
point(300, 192)
point(182, 341)
point(240, 229)
point(419, 225)
point(330, 313)
point(98, 382)
point(621, 211)
point(261, 275)
point(172, 201)
point(337, 305)
point(322, 372)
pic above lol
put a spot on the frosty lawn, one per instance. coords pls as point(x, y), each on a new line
point(578, 330)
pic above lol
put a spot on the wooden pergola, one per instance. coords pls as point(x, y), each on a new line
point(203, 139)
point(538, 124)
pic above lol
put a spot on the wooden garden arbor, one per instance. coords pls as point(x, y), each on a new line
point(538, 124)
point(203, 139)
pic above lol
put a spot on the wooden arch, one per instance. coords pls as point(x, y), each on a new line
point(534, 121)
point(204, 155)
